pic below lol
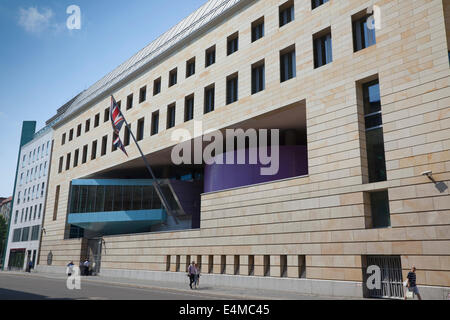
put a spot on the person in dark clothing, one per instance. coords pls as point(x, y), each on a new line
point(29, 266)
point(70, 268)
point(411, 284)
point(192, 271)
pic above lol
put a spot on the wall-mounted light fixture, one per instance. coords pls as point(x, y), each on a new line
point(441, 186)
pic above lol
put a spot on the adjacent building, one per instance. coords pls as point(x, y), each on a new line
point(353, 95)
point(5, 208)
point(27, 207)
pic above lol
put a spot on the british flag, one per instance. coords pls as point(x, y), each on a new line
point(117, 121)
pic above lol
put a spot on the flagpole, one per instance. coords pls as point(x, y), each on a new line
point(156, 183)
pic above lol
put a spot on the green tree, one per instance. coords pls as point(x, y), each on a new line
point(3, 231)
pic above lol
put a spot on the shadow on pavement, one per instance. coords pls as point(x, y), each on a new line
point(6, 294)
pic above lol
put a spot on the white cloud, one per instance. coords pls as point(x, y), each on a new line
point(34, 21)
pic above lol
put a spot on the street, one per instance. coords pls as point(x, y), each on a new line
point(31, 287)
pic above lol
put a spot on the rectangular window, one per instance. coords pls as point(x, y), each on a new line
point(16, 216)
point(85, 151)
point(142, 94)
point(373, 121)
point(258, 29)
point(168, 263)
point(157, 86)
point(287, 64)
point(189, 108)
point(40, 210)
point(232, 88)
point(237, 265)
point(155, 123)
point(173, 77)
point(106, 115)
point(286, 13)
point(171, 116)
point(140, 129)
point(380, 216)
point(130, 102)
point(17, 235)
point(70, 136)
point(35, 233)
point(75, 158)
point(317, 3)
point(267, 266)
point(94, 150)
point(177, 263)
point(210, 56)
point(283, 266)
point(97, 120)
point(126, 136)
point(209, 99)
point(323, 52)
point(223, 264)
point(258, 77)
point(25, 234)
point(79, 130)
point(104, 145)
point(60, 167)
point(88, 125)
point(210, 264)
point(55, 208)
point(68, 161)
point(42, 189)
point(233, 43)
point(363, 34)
point(302, 266)
point(63, 141)
point(190, 67)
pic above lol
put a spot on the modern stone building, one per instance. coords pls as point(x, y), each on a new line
point(359, 91)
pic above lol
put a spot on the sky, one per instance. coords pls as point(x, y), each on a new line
point(44, 64)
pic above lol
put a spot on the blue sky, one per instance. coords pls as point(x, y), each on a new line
point(43, 64)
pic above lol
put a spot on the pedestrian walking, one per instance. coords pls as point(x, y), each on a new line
point(86, 265)
point(197, 276)
point(70, 268)
point(411, 284)
point(29, 266)
point(191, 273)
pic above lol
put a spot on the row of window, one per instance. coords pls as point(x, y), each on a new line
point(250, 267)
point(28, 214)
point(23, 234)
point(372, 114)
point(31, 193)
point(36, 154)
point(322, 55)
point(34, 174)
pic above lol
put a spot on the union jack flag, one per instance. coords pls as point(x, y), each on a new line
point(117, 121)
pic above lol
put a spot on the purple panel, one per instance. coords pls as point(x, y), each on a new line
point(293, 162)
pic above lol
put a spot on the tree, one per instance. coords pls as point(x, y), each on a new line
point(3, 231)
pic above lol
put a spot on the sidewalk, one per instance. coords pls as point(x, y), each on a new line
point(207, 291)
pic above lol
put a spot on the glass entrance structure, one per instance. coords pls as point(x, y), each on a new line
point(118, 206)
